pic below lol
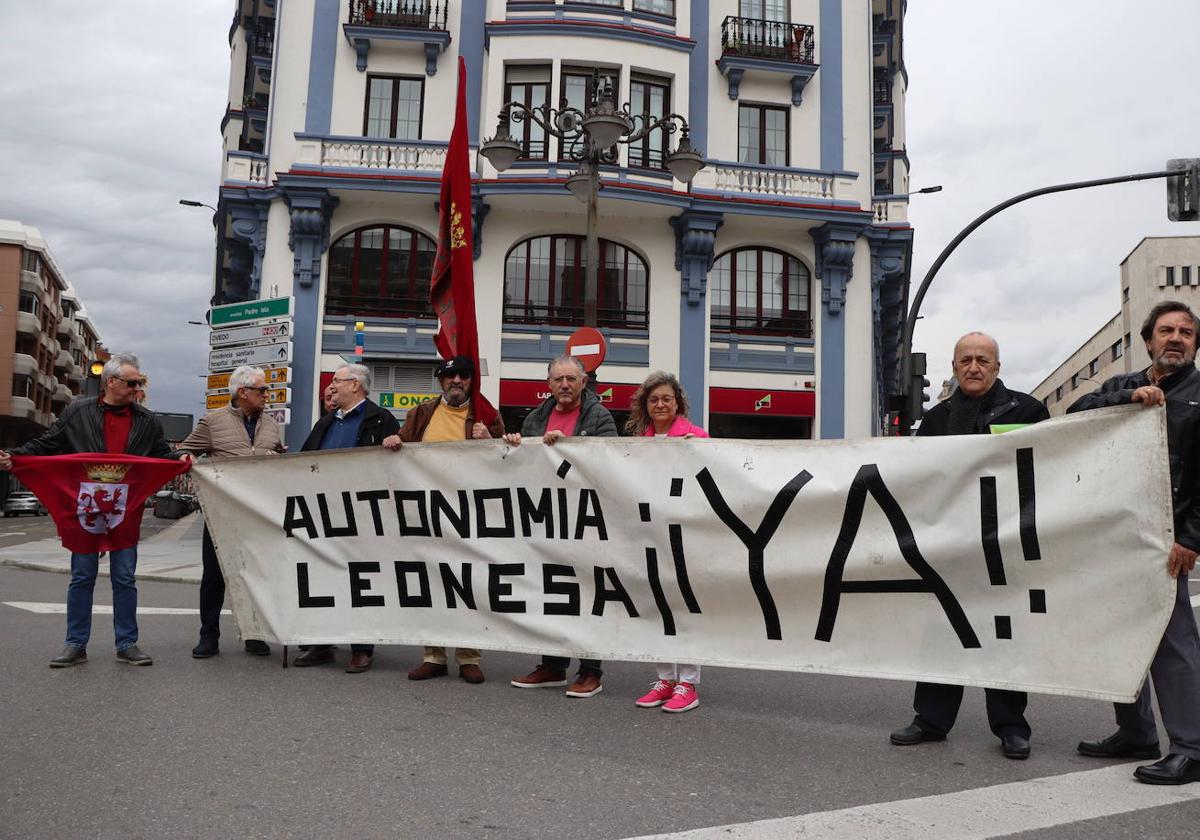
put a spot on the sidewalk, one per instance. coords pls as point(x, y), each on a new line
point(172, 555)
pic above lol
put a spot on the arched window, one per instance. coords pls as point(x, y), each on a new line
point(544, 276)
point(760, 291)
point(381, 271)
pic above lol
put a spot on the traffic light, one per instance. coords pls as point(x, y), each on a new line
point(1183, 190)
point(916, 395)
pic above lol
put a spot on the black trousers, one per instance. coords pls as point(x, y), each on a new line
point(560, 663)
point(212, 590)
point(937, 707)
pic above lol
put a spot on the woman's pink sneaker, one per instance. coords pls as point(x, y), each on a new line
point(658, 694)
point(684, 698)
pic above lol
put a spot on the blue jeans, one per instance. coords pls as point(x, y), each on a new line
point(121, 566)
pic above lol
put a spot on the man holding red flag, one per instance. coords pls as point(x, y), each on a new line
point(452, 288)
point(110, 464)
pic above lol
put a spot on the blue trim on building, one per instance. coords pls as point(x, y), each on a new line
point(414, 342)
point(788, 354)
point(832, 117)
point(434, 40)
point(698, 76)
point(582, 29)
point(322, 59)
point(835, 246)
point(470, 47)
point(543, 342)
point(695, 244)
point(733, 67)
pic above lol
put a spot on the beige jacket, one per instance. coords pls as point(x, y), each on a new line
point(222, 434)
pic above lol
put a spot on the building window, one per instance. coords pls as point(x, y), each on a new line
point(1094, 366)
point(1125, 295)
point(1117, 351)
point(658, 7)
point(776, 10)
point(381, 271)
point(393, 107)
point(1170, 276)
point(652, 97)
point(529, 86)
point(1058, 394)
point(760, 291)
point(30, 261)
point(28, 302)
point(576, 90)
point(544, 279)
point(1074, 381)
point(1185, 275)
point(22, 385)
point(763, 135)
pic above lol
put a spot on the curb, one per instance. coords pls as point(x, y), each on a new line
point(34, 566)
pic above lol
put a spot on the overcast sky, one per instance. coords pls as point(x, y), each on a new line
point(112, 114)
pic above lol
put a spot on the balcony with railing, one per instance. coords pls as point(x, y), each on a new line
point(767, 46)
point(733, 179)
point(422, 22)
point(246, 167)
point(380, 155)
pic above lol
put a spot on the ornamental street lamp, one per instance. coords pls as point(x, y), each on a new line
point(590, 137)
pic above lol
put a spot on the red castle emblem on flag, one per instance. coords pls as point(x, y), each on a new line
point(101, 502)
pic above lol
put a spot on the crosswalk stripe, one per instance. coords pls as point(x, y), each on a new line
point(976, 814)
point(46, 608)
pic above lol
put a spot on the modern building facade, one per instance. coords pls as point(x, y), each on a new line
point(775, 282)
point(1159, 268)
point(47, 340)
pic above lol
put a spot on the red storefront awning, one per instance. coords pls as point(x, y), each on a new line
point(527, 393)
point(765, 402)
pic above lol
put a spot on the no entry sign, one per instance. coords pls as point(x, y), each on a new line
point(587, 345)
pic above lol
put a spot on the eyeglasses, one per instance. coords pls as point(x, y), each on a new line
point(262, 389)
point(135, 383)
point(343, 379)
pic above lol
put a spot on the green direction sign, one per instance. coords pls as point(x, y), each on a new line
point(250, 310)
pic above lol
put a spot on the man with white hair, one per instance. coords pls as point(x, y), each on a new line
point(356, 422)
point(239, 429)
point(115, 423)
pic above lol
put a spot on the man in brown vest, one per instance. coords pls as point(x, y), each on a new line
point(447, 418)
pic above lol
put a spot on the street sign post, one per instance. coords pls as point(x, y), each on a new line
point(250, 310)
point(275, 376)
point(228, 358)
point(282, 416)
point(252, 334)
point(275, 398)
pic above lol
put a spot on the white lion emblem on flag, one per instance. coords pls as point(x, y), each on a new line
point(100, 506)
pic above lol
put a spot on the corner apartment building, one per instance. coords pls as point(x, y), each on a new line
point(1159, 268)
point(47, 340)
point(775, 283)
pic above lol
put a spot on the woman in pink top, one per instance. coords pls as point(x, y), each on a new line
point(659, 409)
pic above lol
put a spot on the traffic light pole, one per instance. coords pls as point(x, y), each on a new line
point(910, 409)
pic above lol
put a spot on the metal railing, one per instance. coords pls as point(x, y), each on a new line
point(773, 39)
point(572, 316)
point(263, 42)
point(378, 307)
point(797, 326)
point(406, 14)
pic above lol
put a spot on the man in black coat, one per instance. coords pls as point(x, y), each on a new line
point(980, 402)
point(1172, 381)
point(356, 422)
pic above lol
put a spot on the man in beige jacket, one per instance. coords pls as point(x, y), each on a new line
point(238, 430)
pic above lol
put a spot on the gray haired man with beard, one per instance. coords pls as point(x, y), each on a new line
point(1172, 380)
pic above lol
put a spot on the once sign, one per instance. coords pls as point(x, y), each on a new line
point(1033, 560)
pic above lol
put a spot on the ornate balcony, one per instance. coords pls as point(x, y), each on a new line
point(768, 181)
point(413, 21)
point(247, 167)
point(768, 46)
point(374, 154)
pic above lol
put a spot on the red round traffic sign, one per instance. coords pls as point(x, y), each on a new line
point(587, 345)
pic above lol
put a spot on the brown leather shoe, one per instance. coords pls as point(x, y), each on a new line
point(427, 671)
point(541, 677)
point(315, 655)
point(360, 662)
point(471, 673)
point(585, 685)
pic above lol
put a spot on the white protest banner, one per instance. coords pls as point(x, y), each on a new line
point(1033, 560)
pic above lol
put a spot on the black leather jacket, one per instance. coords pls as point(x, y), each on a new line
point(1183, 446)
point(80, 428)
point(1007, 407)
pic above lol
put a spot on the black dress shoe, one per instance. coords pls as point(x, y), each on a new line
point(1015, 746)
point(1175, 769)
point(257, 647)
point(1117, 745)
point(913, 734)
point(133, 655)
point(205, 648)
point(71, 655)
point(315, 655)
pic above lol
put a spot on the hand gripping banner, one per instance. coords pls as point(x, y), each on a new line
point(1033, 560)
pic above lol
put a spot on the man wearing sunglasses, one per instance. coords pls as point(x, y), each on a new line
point(238, 430)
point(447, 418)
point(115, 423)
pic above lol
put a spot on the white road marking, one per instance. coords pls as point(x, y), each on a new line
point(1196, 600)
point(975, 814)
point(45, 608)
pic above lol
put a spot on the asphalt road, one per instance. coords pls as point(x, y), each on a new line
point(238, 746)
point(15, 530)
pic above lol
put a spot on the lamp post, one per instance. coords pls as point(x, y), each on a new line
point(189, 203)
point(590, 137)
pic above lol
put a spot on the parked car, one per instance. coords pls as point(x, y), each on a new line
point(22, 501)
